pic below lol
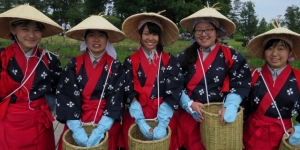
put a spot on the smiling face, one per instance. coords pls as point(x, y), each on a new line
point(27, 33)
point(205, 34)
point(150, 34)
point(96, 41)
point(276, 53)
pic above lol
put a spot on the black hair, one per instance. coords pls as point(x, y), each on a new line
point(88, 31)
point(274, 42)
point(155, 29)
point(191, 54)
point(190, 57)
point(25, 22)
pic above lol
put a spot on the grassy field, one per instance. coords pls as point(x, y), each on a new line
point(67, 48)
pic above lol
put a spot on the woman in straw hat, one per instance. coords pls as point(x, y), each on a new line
point(146, 68)
point(91, 86)
point(274, 98)
point(27, 74)
point(211, 72)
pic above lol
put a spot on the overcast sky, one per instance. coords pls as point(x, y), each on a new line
point(270, 9)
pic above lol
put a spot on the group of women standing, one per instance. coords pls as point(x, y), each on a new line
point(95, 88)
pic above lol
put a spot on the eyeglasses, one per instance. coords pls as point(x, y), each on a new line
point(207, 31)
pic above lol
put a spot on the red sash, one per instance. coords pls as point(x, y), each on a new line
point(7, 82)
point(198, 76)
point(258, 124)
point(150, 72)
point(274, 89)
point(89, 107)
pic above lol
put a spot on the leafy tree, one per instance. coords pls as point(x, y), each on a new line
point(67, 11)
point(126, 8)
point(234, 15)
point(292, 18)
point(5, 5)
point(248, 21)
point(223, 4)
point(175, 9)
point(262, 27)
point(74, 14)
point(181, 9)
point(94, 7)
point(115, 21)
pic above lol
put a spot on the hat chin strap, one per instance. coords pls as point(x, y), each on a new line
point(109, 49)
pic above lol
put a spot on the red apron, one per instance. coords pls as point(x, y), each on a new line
point(189, 129)
point(262, 132)
point(89, 107)
point(149, 106)
point(21, 127)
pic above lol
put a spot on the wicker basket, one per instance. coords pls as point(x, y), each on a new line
point(285, 145)
point(136, 140)
point(215, 136)
point(70, 144)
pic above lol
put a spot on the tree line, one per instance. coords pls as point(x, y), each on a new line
point(116, 11)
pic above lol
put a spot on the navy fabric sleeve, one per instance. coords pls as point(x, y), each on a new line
point(173, 83)
point(129, 92)
point(239, 74)
point(55, 71)
point(114, 91)
point(68, 106)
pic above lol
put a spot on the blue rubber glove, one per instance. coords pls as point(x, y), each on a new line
point(136, 112)
point(185, 102)
point(79, 135)
point(98, 133)
point(165, 112)
point(295, 138)
point(231, 104)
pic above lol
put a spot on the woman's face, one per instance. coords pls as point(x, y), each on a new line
point(28, 35)
point(96, 42)
point(205, 34)
point(277, 56)
point(149, 40)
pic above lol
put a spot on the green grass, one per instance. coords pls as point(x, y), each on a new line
point(67, 48)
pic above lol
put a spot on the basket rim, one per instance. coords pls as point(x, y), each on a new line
point(73, 146)
point(213, 114)
point(150, 141)
point(286, 144)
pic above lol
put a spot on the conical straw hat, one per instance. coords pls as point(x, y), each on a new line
point(170, 32)
point(27, 12)
point(96, 22)
point(209, 12)
point(256, 45)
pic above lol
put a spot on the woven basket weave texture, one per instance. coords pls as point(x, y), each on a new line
point(285, 145)
point(136, 140)
point(70, 144)
point(215, 136)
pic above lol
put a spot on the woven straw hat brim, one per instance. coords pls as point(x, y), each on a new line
point(96, 23)
point(30, 13)
point(224, 22)
point(170, 32)
point(256, 45)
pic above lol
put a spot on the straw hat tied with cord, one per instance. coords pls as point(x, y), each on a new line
point(27, 12)
point(96, 22)
point(256, 45)
point(132, 24)
point(209, 14)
